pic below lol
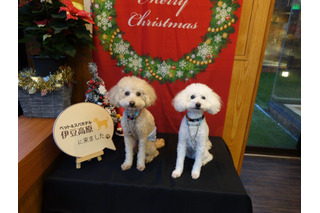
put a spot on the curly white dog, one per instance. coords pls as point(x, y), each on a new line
point(194, 132)
point(135, 95)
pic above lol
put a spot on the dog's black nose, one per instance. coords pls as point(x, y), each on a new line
point(131, 103)
point(198, 105)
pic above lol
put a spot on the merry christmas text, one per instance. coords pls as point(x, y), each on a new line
point(181, 3)
point(137, 20)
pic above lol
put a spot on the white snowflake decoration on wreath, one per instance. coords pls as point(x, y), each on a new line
point(204, 50)
point(121, 47)
point(223, 12)
point(218, 38)
point(108, 5)
point(135, 62)
point(183, 64)
point(179, 73)
point(123, 62)
point(163, 69)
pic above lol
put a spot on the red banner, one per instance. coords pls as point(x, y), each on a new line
point(171, 44)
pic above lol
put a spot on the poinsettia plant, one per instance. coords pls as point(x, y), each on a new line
point(57, 26)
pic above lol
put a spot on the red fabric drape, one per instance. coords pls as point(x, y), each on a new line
point(217, 75)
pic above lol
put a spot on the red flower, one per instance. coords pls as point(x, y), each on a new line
point(75, 13)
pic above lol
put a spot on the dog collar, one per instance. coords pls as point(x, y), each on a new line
point(136, 114)
point(194, 120)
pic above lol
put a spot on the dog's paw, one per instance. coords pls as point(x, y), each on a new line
point(125, 166)
point(176, 173)
point(141, 167)
point(195, 175)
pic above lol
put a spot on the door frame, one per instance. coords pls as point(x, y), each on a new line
point(251, 44)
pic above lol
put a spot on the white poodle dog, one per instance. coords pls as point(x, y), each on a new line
point(135, 95)
point(194, 131)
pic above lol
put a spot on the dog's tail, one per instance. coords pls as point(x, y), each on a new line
point(160, 143)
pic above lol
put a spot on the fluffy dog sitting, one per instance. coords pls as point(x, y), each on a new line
point(135, 95)
point(194, 132)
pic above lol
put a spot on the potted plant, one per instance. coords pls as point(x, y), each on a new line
point(54, 28)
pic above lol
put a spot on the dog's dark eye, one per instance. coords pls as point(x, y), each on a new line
point(127, 93)
point(138, 93)
point(204, 98)
point(192, 96)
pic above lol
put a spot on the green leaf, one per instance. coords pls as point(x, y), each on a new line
point(38, 11)
point(70, 51)
point(59, 15)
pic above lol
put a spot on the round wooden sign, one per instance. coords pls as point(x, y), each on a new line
point(83, 129)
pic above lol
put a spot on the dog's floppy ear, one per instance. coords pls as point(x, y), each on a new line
point(150, 94)
point(114, 96)
point(215, 103)
point(180, 101)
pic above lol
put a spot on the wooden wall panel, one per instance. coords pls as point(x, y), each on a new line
point(244, 25)
point(245, 76)
point(79, 65)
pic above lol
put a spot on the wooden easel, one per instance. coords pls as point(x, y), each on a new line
point(79, 160)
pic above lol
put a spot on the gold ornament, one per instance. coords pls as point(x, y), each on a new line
point(220, 3)
point(224, 35)
point(208, 41)
point(104, 36)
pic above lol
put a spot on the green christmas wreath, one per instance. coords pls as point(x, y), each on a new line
point(188, 66)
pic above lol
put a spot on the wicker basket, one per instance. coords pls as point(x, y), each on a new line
point(48, 106)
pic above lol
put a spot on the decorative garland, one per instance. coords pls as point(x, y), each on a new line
point(54, 82)
point(188, 66)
